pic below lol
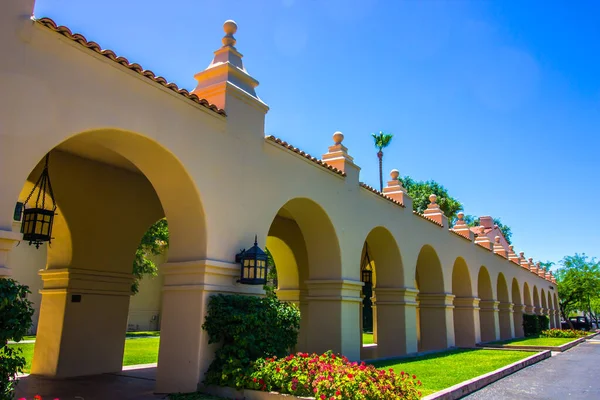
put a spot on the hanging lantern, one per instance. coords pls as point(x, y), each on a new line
point(366, 268)
point(37, 220)
point(254, 264)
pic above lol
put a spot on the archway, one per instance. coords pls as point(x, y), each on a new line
point(536, 300)
point(383, 276)
point(488, 307)
point(110, 185)
point(305, 249)
point(505, 309)
point(466, 311)
point(434, 315)
point(518, 308)
point(529, 307)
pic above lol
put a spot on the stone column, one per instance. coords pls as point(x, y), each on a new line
point(82, 324)
point(437, 320)
point(334, 315)
point(297, 297)
point(490, 320)
point(397, 318)
point(518, 310)
point(466, 321)
point(557, 319)
point(8, 239)
point(530, 310)
point(184, 354)
point(507, 327)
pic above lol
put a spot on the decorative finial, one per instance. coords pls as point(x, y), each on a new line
point(522, 254)
point(481, 231)
point(394, 174)
point(460, 216)
point(255, 236)
point(497, 239)
point(511, 248)
point(531, 260)
point(338, 137)
point(432, 198)
point(230, 28)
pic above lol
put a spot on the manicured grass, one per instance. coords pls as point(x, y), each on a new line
point(536, 341)
point(142, 334)
point(193, 396)
point(367, 338)
point(442, 370)
point(141, 350)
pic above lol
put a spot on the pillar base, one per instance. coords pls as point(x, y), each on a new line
point(466, 321)
point(436, 318)
point(490, 320)
point(396, 317)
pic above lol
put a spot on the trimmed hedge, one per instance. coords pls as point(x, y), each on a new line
point(534, 324)
point(249, 328)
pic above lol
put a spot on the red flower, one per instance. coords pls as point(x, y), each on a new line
point(350, 376)
point(37, 397)
point(414, 377)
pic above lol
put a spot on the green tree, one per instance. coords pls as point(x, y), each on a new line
point(15, 321)
point(271, 284)
point(154, 242)
point(471, 220)
point(382, 140)
point(420, 191)
point(578, 282)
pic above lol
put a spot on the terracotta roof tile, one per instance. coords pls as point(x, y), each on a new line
point(76, 37)
point(296, 150)
point(377, 192)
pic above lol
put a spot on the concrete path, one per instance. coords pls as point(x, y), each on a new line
point(133, 383)
point(574, 374)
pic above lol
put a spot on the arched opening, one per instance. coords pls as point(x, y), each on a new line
point(305, 249)
point(383, 276)
point(536, 300)
point(110, 186)
point(527, 298)
point(488, 307)
point(518, 308)
point(505, 308)
point(551, 310)
point(434, 316)
point(466, 313)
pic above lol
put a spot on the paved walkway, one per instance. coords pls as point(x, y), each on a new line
point(574, 374)
point(133, 383)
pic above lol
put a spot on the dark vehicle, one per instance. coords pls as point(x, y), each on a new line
point(579, 323)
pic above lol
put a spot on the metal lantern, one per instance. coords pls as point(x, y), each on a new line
point(37, 220)
point(254, 264)
point(366, 269)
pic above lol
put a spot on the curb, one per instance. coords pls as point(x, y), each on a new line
point(467, 387)
point(558, 349)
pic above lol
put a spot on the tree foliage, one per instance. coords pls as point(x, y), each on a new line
point(578, 282)
point(381, 141)
point(154, 242)
point(472, 220)
point(420, 191)
point(15, 321)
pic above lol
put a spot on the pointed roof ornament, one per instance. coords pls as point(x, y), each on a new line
point(226, 68)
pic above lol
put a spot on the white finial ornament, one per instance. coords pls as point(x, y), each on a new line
point(432, 198)
point(338, 137)
point(394, 174)
point(230, 28)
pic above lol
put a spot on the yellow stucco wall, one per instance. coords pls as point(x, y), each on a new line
point(126, 151)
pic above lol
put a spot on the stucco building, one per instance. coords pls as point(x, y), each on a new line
point(126, 147)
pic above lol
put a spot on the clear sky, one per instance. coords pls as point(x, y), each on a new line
point(498, 101)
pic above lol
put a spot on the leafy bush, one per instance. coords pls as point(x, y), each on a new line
point(249, 328)
point(563, 333)
point(531, 325)
point(330, 376)
point(544, 322)
point(15, 321)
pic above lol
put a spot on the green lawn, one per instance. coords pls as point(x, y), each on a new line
point(143, 350)
point(536, 341)
point(442, 370)
point(367, 338)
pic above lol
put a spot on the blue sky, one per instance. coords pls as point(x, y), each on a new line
point(498, 101)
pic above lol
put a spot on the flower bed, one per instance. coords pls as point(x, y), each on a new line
point(330, 376)
point(563, 333)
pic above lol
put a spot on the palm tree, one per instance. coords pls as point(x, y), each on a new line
point(382, 140)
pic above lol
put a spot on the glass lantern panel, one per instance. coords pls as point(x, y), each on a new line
point(246, 263)
point(251, 273)
point(45, 228)
point(38, 227)
point(252, 263)
point(47, 218)
point(245, 273)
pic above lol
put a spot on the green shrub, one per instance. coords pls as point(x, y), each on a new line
point(331, 376)
point(249, 328)
point(531, 325)
point(544, 322)
point(15, 321)
point(563, 333)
